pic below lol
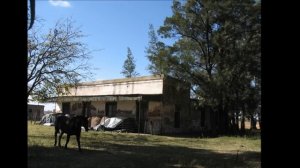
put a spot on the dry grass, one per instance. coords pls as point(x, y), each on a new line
point(110, 149)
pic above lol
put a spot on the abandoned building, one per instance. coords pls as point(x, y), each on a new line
point(35, 112)
point(159, 104)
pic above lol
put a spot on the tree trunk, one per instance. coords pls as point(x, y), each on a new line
point(223, 118)
point(221, 125)
point(243, 130)
point(213, 121)
point(253, 123)
point(236, 122)
point(226, 120)
point(223, 121)
point(259, 122)
point(259, 119)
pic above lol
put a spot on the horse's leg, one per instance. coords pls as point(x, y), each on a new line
point(59, 138)
point(78, 141)
point(55, 136)
point(68, 138)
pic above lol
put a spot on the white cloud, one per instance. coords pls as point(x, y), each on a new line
point(60, 3)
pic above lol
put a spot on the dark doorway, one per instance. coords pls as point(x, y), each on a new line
point(111, 109)
point(86, 109)
point(177, 117)
point(141, 108)
point(66, 108)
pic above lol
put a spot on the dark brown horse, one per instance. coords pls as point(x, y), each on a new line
point(70, 126)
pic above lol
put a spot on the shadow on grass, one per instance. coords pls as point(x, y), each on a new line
point(107, 155)
point(253, 134)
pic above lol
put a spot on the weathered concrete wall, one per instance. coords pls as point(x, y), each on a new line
point(169, 119)
point(154, 109)
point(196, 118)
point(154, 125)
point(121, 88)
point(100, 109)
point(176, 97)
point(126, 109)
point(161, 113)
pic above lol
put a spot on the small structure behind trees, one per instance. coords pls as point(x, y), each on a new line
point(35, 112)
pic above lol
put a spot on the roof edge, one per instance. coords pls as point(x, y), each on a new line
point(122, 80)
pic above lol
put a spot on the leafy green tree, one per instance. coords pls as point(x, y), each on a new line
point(157, 54)
point(56, 60)
point(239, 42)
point(129, 65)
point(218, 52)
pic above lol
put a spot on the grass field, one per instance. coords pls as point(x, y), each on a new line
point(112, 150)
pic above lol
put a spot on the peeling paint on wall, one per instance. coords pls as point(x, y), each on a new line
point(154, 109)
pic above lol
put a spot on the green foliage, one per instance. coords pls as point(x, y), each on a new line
point(129, 65)
point(157, 54)
point(217, 50)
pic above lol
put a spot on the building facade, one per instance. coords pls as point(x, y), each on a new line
point(159, 104)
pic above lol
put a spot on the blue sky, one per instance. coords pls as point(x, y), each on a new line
point(111, 26)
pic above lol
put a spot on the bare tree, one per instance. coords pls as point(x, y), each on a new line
point(56, 60)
